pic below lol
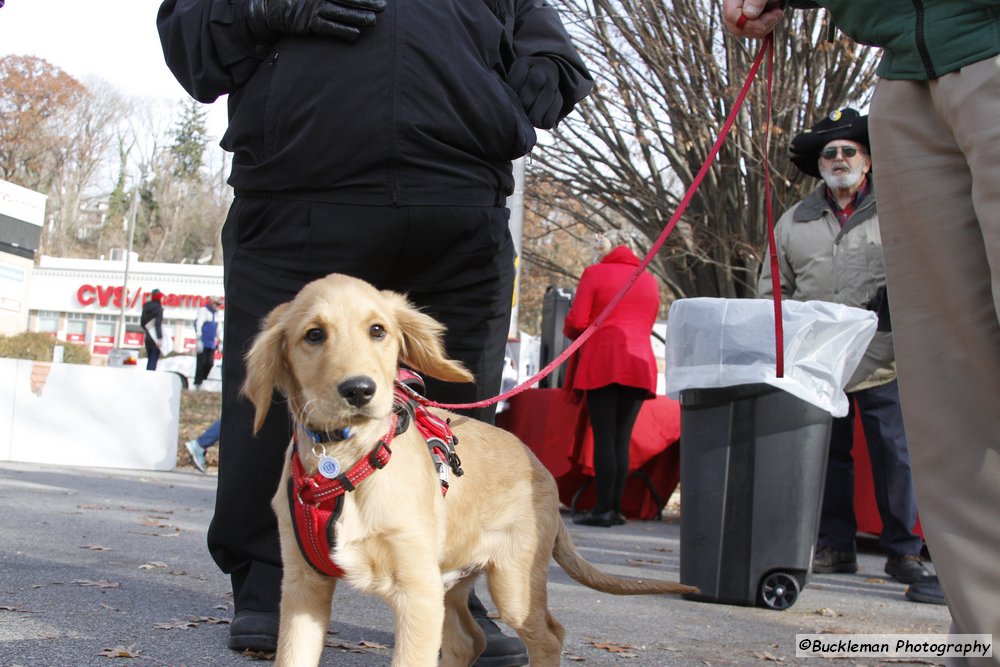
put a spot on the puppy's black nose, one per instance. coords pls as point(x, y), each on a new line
point(358, 391)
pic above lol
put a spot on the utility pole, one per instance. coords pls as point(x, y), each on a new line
point(515, 203)
point(133, 209)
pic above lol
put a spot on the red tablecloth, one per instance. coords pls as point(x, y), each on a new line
point(557, 431)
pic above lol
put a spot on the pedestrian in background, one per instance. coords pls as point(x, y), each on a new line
point(936, 149)
point(196, 448)
point(151, 321)
point(829, 249)
point(206, 330)
point(374, 139)
point(615, 370)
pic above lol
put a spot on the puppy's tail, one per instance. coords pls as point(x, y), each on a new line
point(580, 570)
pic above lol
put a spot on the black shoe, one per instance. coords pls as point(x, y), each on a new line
point(906, 569)
point(501, 650)
point(831, 561)
point(618, 519)
point(603, 519)
point(254, 631)
point(926, 590)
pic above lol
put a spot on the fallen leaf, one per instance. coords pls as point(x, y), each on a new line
point(874, 580)
point(210, 620)
point(154, 565)
point(644, 561)
point(154, 522)
point(258, 655)
point(96, 584)
point(622, 650)
point(4, 607)
point(343, 646)
point(175, 625)
point(767, 656)
point(95, 547)
point(826, 611)
point(121, 652)
point(366, 644)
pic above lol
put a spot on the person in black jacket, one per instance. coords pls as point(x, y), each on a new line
point(151, 320)
point(372, 138)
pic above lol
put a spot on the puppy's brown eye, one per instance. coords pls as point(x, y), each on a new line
point(377, 331)
point(315, 335)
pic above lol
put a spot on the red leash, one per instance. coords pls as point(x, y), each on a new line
point(766, 46)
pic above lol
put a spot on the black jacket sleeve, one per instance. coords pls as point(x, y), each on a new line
point(539, 31)
point(208, 45)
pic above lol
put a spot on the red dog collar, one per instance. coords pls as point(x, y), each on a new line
point(316, 502)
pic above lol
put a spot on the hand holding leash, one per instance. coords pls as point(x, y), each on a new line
point(752, 18)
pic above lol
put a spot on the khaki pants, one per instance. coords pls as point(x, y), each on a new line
point(936, 151)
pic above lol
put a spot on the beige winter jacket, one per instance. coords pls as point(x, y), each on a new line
point(818, 260)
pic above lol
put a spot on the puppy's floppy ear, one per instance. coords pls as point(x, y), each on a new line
point(266, 366)
point(422, 343)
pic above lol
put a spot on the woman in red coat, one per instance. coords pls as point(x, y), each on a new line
point(615, 369)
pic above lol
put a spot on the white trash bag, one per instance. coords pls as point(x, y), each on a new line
point(715, 343)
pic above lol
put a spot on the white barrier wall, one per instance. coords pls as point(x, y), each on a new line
point(94, 416)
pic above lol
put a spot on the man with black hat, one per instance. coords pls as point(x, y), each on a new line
point(829, 249)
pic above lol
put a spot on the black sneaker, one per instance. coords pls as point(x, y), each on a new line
point(906, 569)
point(501, 650)
point(602, 519)
point(831, 561)
point(927, 590)
point(254, 631)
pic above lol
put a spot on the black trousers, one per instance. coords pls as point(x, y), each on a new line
point(612, 411)
point(895, 495)
point(203, 364)
point(152, 354)
point(456, 263)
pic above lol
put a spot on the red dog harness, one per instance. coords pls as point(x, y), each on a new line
point(317, 500)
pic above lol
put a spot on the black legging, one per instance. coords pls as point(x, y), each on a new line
point(612, 412)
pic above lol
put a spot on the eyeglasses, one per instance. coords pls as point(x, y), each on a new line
point(831, 153)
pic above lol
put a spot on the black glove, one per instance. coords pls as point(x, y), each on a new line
point(342, 19)
point(880, 304)
point(535, 79)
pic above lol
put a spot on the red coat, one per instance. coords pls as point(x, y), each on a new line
point(619, 352)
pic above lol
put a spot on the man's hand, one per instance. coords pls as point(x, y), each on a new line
point(536, 81)
point(751, 18)
point(341, 19)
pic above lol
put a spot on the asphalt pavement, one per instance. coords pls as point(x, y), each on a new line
point(110, 567)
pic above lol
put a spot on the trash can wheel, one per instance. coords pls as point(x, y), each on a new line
point(778, 591)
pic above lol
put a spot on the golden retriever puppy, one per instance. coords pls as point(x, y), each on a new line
point(334, 352)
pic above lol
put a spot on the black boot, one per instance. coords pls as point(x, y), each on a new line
point(501, 650)
point(256, 596)
point(254, 631)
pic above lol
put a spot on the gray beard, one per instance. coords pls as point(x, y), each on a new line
point(841, 181)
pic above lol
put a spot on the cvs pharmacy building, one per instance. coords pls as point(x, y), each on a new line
point(97, 303)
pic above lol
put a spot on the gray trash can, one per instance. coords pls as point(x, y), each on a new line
point(753, 465)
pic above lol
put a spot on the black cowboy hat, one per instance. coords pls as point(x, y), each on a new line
point(841, 124)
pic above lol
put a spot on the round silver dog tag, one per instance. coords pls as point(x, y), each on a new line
point(329, 467)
